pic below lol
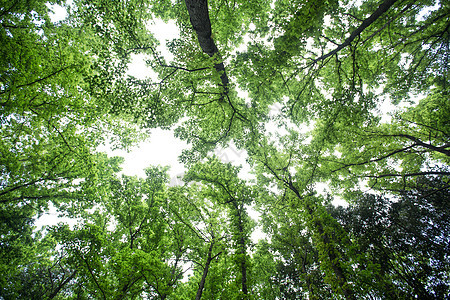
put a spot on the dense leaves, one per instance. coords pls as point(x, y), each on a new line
point(411, 259)
point(330, 101)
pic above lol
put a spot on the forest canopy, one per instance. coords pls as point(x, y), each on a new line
point(350, 95)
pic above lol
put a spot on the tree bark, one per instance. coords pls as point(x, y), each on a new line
point(242, 251)
point(199, 17)
point(201, 285)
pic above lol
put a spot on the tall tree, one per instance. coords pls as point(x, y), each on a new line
point(393, 156)
point(207, 224)
point(127, 247)
point(233, 195)
point(50, 125)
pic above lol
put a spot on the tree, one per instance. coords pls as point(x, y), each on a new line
point(315, 77)
point(230, 192)
point(51, 126)
point(292, 171)
point(193, 207)
point(127, 247)
point(293, 258)
point(410, 260)
point(391, 156)
point(24, 252)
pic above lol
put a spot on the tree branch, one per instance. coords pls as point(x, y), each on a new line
point(407, 175)
point(418, 142)
point(375, 159)
point(366, 23)
point(40, 79)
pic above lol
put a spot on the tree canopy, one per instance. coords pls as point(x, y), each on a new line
point(331, 102)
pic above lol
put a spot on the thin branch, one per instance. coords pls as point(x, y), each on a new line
point(388, 22)
point(418, 142)
point(426, 126)
point(196, 231)
point(40, 79)
point(406, 175)
point(376, 159)
point(93, 276)
point(62, 284)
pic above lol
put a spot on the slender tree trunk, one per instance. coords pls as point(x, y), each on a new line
point(243, 254)
point(244, 271)
point(201, 285)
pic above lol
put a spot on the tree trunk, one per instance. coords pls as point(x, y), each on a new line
point(205, 273)
point(325, 239)
point(199, 17)
point(243, 254)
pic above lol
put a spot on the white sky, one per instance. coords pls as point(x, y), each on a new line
point(162, 149)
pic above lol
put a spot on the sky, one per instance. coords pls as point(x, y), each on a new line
point(162, 148)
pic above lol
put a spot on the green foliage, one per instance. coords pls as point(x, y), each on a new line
point(315, 76)
point(223, 186)
point(410, 259)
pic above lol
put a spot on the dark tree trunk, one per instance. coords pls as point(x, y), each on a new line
point(199, 17)
point(201, 286)
point(243, 253)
